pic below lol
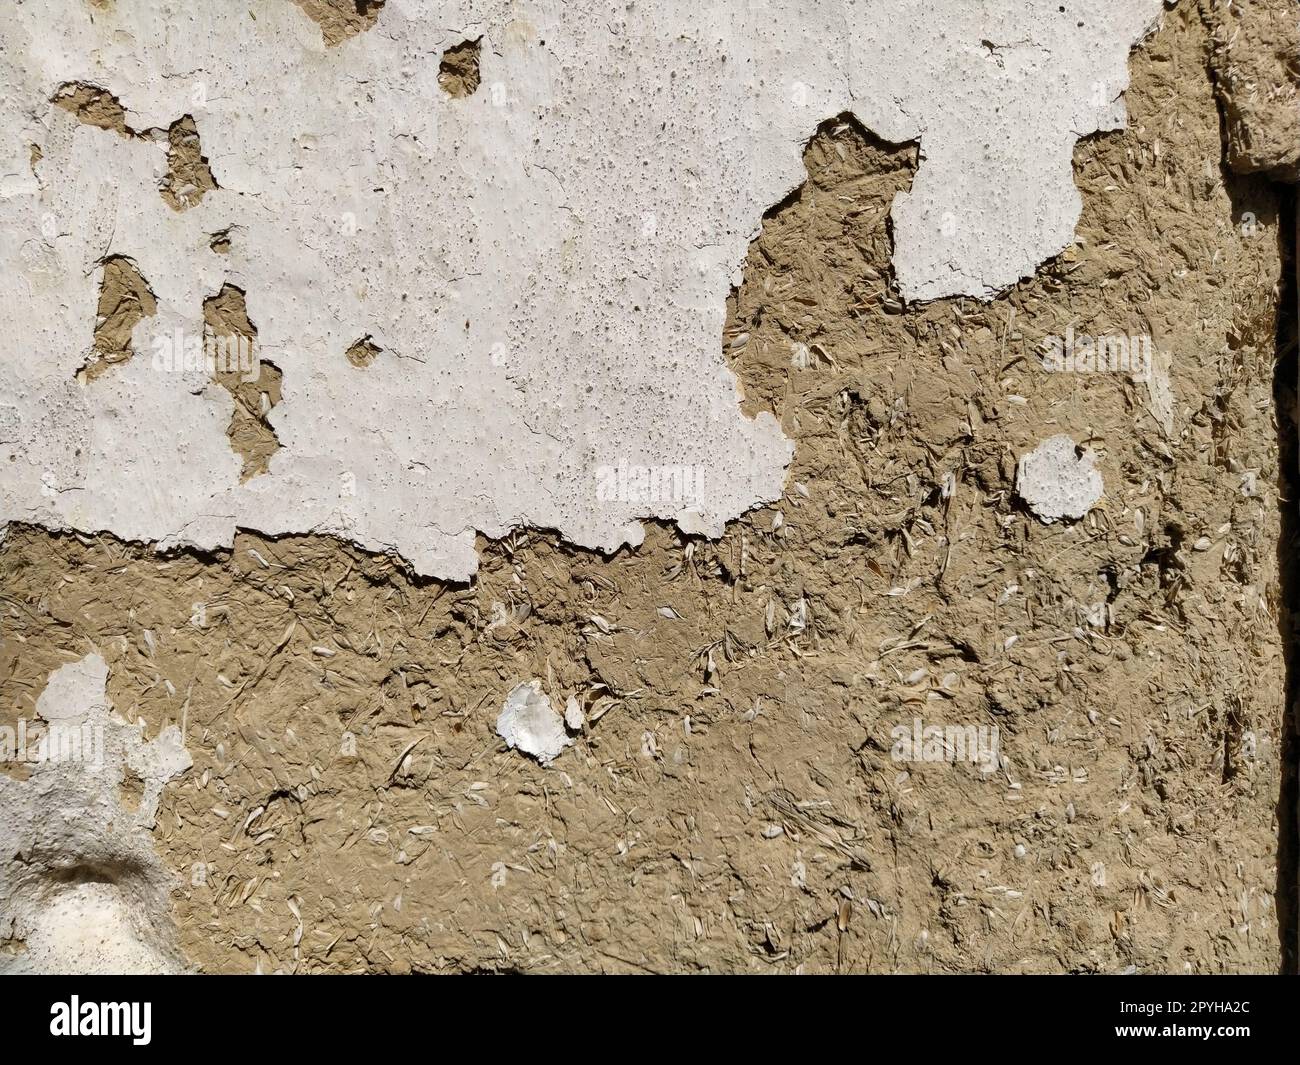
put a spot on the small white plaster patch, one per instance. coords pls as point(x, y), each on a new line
point(75, 691)
point(574, 718)
point(1057, 481)
point(530, 724)
point(1160, 393)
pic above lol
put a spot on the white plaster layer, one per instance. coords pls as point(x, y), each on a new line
point(545, 263)
point(81, 890)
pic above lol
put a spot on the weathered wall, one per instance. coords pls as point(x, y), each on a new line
point(734, 796)
point(549, 256)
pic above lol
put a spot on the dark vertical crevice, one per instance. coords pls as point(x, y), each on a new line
point(1287, 887)
point(1288, 557)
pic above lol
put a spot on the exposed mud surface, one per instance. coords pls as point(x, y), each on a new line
point(230, 340)
point(733, 802)
point(94, 106)
point(188, 178)
point(1256, 63)
point(341, 19)
point(458, 73)
point(124, 299)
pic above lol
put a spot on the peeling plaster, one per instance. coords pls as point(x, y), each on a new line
point(541, 265)
point(87, 893)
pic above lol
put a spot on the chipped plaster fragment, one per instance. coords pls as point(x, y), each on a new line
point(980, 214)
point(547, 264)
point(529, 723)
point(75, 691)
point(79, 882)
point(1057, 480)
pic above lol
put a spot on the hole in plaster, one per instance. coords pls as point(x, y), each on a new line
point(458, 72)
point(108, 871)
point(341, 19)
point(848, 163)
point(93, 106)
point(188, 178)
point(124, 299)
point(363, 352)
point(229, 341)
point(220, 242)
point(132, 789)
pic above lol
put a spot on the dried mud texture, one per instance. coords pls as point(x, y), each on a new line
point(124, 300)
point(363, 352)
point(220, 242)
point(251, 437)
point(458, 73)
point(94, 107)
point(188, 178)
point(732, 803)
point(341, 19)
point(1256, 64)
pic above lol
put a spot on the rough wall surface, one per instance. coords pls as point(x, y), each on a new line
point(1256, 64)
point(731, 798)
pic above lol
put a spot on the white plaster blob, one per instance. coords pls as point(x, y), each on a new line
point(529, 723)
point(80, 887)
point(1059, 480)
point(1161, 397)
point(574, 719)
point(545, 263)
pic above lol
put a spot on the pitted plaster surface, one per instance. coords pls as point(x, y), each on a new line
point(1059, 480)
point(544, 263)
